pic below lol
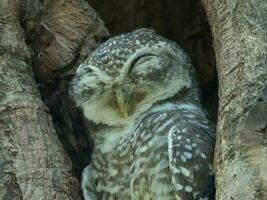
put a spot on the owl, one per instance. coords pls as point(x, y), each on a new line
point(152, 138)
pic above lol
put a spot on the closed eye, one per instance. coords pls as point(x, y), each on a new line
point(143, 57)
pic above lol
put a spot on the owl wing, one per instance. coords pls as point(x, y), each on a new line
point(88, 184)
point(190, 149)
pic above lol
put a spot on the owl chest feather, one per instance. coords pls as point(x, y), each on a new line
point(135, 160)
point(134, 163)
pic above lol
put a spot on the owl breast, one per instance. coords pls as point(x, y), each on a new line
point(135, 163)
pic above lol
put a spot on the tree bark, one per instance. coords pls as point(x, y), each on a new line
point(33, 164)
point(62, 33)
point(239, 32)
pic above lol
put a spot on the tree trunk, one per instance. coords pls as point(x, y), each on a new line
point(239, 32)
point(62, 33)
point(33, 164)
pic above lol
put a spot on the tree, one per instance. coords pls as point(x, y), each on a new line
point(239, 32)
point(33, 163)
point(53, 36)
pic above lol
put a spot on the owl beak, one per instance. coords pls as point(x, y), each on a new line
point(124, 112)
point(124, 99)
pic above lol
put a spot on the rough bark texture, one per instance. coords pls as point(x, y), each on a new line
point(239, 30)
point(33, 163)
point(62, 33)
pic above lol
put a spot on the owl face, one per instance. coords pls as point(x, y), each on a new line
point(127, 74)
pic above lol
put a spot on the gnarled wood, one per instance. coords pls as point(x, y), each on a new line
point(60, 32)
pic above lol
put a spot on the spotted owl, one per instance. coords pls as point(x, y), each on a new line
point(152, 139)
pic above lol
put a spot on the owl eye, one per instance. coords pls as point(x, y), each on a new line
point(141, 59)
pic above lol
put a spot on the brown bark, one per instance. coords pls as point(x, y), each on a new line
point(239, 32)
point(33, 164)
point(62, 33)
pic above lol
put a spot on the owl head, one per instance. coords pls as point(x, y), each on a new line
point(129, 73)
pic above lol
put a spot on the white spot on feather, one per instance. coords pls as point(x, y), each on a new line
point(187, 146)
point(188, 188)
point(183, 158)
point(176, 171)
point(179, 186)
point(185, 171)
point(188, 155)
point(203, 155)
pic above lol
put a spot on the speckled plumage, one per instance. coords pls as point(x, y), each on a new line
point(153, 139)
